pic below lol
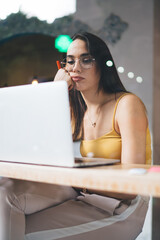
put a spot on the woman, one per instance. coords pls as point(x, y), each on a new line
point(100, 105)
point(111, 123)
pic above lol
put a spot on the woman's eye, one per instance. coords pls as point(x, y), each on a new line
point(87, 60)
point(71, 62)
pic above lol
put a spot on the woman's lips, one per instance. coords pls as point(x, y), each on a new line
point(77, 78)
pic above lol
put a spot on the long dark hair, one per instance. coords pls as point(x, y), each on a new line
point(109, 80)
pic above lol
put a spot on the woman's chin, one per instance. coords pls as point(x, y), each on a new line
point(78, 87)
point(81, 87)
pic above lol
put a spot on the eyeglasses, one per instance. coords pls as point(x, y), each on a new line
point(86, 62)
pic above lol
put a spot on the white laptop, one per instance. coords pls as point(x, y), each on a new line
point(35, 126)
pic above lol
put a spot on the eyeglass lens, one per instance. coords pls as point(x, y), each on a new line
point(85, 62)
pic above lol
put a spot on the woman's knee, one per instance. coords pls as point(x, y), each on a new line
point(29, 197)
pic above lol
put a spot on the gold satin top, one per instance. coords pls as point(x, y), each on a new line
point(110, 144)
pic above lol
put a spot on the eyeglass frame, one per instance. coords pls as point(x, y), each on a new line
point(79, 59)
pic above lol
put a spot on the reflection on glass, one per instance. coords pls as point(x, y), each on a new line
point(109, 63)
point(139, 79)
point(120, 69)
point(131, 75)
point(35, 82)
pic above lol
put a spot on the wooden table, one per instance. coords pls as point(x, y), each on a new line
point(115, 178)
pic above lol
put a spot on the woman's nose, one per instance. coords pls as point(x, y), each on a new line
point(77, 66)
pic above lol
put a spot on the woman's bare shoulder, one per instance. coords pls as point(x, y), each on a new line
point(131, 102)
point(130, 112)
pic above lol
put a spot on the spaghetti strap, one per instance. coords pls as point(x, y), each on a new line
point(115, 108)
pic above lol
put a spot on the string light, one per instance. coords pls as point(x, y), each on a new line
point(139, 79)
point(109, 63)
point(120, 69)
point(131, 75)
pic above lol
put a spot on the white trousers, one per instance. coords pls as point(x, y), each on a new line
point(38, 211)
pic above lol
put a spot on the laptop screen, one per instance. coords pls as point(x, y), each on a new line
point(35, 124)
